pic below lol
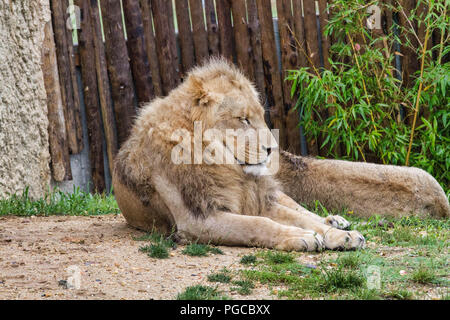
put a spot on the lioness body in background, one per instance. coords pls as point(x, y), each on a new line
point(235, 204)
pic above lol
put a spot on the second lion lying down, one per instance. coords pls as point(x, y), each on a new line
point(238, 203)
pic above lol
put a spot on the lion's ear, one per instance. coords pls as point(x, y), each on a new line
point(201, 95)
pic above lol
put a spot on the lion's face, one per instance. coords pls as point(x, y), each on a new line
point(233, 110)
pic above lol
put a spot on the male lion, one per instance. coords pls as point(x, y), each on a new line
point(236, 203)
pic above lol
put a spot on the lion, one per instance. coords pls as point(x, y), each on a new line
point(241, 202)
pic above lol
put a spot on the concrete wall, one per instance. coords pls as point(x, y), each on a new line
point(24, 152)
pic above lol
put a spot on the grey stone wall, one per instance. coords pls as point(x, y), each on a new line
point(24, 152)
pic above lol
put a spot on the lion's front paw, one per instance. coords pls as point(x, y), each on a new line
point(337, 222)
point(343, 240)
point(307, 242)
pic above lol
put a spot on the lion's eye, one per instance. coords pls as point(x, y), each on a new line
point(244, 121)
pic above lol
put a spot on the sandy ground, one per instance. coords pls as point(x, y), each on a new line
point(36, 252)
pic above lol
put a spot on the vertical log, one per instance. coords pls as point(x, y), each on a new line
point(118, 67)
point(225, 28)
point(409, 57)
point(199, 30)
point(151, 46)
point(104, 90)
point(310, 24)
point(73, 75)
point(59, 151)
point(299, 33)
point(137, 51)
point(312, 50)
point(173, 39)
point(255, 37)
point(59, 26)
point(242, 37)
point(91, 98)
point(289, 60)
point(323, 20)
point(213, 32)
point(166, 40)
point(272, 77)
point(185, 35)
point(387, 15)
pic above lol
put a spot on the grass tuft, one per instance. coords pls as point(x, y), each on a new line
point(244, 287)
point(278, 257)
point(200, 250)
point(349, 260)
point(200, 292)
point(157, 250)
point(222, 277)
point(248, 259)
point(423, 275)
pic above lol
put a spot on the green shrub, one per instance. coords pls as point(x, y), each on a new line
point(356, 106)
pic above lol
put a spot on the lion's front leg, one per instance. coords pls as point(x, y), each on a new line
point(333, 238)
point(332, 220)
point(225, 228)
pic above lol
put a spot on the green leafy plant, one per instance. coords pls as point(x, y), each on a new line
point(360, 109)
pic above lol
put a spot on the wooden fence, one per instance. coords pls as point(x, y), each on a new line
point(142, 56)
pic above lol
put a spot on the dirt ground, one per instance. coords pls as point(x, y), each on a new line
point(35, 253)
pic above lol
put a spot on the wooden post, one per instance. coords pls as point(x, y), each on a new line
point(173, 39)
point(91, 98)
point(185, 35)
point(104, 90)
point(137, 51)
point(323, 20)
point(73, 75)
point(151, 46)
point(166, 40)
point(409, 59)
point(242, 37)
point(199, 31)
point(74, 136)
point(312, 50)
point(118, 67)
point(289, 59)
point(310, 24)
point(271, 70)
point(213, 29)
point(255, 37)
point(225, 29)
point(57, 135)
point(299, 33)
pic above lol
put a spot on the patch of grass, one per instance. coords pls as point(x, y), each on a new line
point(222, 277)
point(56, 202)
point(200, 250)
point(157, 250)
point(349, 260)
point(248, 259)
point(269, 277)
point(244, 287)
point(423, 275)
point(399, 294)
point(335, 279)
point(200, 292)
point(159, 245)
point(278, 257)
